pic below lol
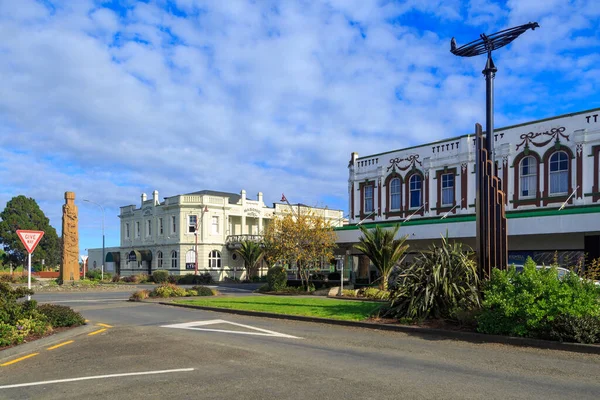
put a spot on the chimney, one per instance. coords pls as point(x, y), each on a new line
point(260, 197)
point(155, 198)
point(143, 198)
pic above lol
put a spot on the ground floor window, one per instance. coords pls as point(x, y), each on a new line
point(214, 259)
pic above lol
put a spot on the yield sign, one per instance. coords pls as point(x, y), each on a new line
point(201, 326)
point(30, 239)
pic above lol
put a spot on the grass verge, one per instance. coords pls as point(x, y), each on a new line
point(308, 307)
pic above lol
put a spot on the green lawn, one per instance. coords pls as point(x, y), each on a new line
point(308, 306)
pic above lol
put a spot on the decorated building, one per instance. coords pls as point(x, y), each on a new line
point(549, 170)
point(168, 234)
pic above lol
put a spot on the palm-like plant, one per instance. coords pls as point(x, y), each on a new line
point(251, 252)
point(441, 280)
point(383, 250)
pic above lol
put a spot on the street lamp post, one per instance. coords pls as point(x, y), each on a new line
point(103, 255)
point(491, 235)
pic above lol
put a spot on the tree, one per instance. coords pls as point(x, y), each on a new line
point(305, 240)
point(251, 252)
point(24, 213)
point(383, 250)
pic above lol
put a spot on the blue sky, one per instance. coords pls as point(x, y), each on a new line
point(110, 99)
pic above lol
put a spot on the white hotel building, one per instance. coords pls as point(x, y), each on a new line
point(162, 234)
point(544, 165)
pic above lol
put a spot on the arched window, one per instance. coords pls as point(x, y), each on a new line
point(559, 173)
point(174, 260)
point(528, 177)
point(416, 187)
point(159, 259)
point(395, 194)
point(214, 259)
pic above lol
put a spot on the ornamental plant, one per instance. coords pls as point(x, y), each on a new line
point(530, 303)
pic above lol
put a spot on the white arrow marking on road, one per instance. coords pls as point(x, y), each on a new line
point(260, 332)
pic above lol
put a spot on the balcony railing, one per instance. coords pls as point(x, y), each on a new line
point(235, 241)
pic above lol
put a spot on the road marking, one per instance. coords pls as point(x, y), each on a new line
point(96, 332)
point(88, 300)
point(60, 345)
point(105, 325)
point(260, 332)
point(19, 359)
point(85, 378)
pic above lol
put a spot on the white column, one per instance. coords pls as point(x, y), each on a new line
point(244, 224)
point(260, 224)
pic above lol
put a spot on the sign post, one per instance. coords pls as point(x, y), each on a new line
point(84, 258)
point(30, 240)
point(340, 267)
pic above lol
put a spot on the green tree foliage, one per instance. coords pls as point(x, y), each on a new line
point(252, 253)
point(24, 213)
point(441, 281)
point(383, 250)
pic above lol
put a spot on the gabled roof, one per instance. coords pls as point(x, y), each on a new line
point(234, 198)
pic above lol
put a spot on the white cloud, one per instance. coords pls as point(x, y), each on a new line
point(265, 96)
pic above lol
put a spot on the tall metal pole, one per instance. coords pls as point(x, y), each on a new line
point(490, 73)
point(28, 274)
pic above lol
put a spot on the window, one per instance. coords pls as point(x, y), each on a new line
point(160, 226)
point(369, 199)
point(215, 225)
point(127, 233)
point(137, 229)
point(447, 189)
point(149, 227)
point(559, 173)
point(174, 259)
point(395, 194)
point(528, 170)
point(214, 259)
point(173, 225)
point(159, 259)
point(416, 185)
point(192, 221)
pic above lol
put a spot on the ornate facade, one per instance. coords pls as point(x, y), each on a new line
point(163, 234)
point(549, 171)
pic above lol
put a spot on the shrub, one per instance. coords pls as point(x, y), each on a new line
point(205, 291)
point(33, 326)
point(23, 279)
point(349, 293)
point(374, 293)
point(8, 334)
point(160, 276)
point(10, 309)
point(116, 278)
point(191, 293)
point(168, 290)
point(139, 295)
point(8, 278)
point(173, 279)
point(276, 278)
point(528, 303)
point(144, 278)
point(94, 274)
point(441, 281)
point(59, 316)
point(263, 288)
point(191, 279)
point(131, 279)
point(569, 328)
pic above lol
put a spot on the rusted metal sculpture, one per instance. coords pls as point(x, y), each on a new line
point(492, 239)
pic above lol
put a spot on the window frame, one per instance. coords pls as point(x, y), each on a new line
point(530, 176)
point(214, 230)
point(214, 257)
point(173, 224)
point(159, 259)
point(411, 190)
point(565, 172)
point(161, 226)
point(392, 193)
point(127, 231)
point(174, 264)
point(367, 210)
point(148, 227)
point(192, 227)
point(137, 229)
point(451, 189)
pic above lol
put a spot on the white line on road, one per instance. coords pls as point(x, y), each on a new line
point(261, 332)
point(84, 300)
point(85, 378)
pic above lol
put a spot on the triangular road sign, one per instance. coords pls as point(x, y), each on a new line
point(30, 239)
point(195, 326)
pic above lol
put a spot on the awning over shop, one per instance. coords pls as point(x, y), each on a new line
point(140, 255)
point(113, 256)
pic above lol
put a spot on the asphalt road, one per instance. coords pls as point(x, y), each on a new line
point(228, 359)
